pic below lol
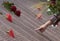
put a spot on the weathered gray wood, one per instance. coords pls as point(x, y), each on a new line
point(24, 26)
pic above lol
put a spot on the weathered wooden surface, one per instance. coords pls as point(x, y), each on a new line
point(24, 26)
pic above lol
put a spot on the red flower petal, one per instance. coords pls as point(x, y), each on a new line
point(13, 8)
point(9, 17)
point(17, 12)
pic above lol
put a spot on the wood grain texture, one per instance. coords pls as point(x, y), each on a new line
point(24, 25)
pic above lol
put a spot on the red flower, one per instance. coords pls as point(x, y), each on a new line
point(9, 17)
point(11, 33)
point(13, 8)
point(53, 2)
point(17, 12)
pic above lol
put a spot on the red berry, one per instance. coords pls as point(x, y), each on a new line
point(13, 8)
point(17, 12)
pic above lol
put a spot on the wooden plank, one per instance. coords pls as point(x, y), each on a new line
point(24, 26)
